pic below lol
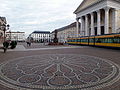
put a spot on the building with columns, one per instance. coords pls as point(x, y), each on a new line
point(40, 36)
point(98, 17)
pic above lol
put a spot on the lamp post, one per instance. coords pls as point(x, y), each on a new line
point(44, 39)
point(5, 29)
point(10, 34)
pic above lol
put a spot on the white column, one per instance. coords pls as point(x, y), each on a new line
point(114, 21)
point(86, 25)
point(77, 26)
point(81, 28)
point(98, 23)
point(92, 24)
point(83, 31)
point(107, 20)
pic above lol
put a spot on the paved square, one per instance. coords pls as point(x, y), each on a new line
point(60, 68)
point(59, 71)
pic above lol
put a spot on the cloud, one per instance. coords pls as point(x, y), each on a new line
point(29, 15)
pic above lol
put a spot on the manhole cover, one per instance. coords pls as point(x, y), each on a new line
point(59, 71)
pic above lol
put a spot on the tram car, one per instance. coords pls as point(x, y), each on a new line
point(107, 40)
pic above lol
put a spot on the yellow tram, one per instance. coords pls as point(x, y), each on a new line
point(108, 40)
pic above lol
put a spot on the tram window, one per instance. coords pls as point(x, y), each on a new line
point(76, 40)
point(84, 40)
point(105, 40)
point(110, 40)
point(79, 40)
point(91, 40)
point(116, 40)
point(98, 40)
point(101, 40)
point(73, 40)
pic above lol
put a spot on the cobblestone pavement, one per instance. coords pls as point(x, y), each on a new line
point(86, 68)
point(40, 45)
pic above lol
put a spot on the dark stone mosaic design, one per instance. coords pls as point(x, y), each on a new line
point(59, 71)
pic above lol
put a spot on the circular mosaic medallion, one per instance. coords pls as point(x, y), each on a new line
point(59, 71)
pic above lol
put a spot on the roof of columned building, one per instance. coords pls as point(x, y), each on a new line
point(87, 3)
point(66, 27)
point(15, 32)
point(43, 32)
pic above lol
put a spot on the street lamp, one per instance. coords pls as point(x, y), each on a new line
point(10, 35)
point(44, 39)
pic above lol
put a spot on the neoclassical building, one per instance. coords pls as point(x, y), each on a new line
point(40, 36)
point(65, 32)
point(15, 36)
point(98, 17)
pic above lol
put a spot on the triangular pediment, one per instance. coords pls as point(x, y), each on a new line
point(85, 4)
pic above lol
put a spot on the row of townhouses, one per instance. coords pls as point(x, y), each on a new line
point(65, 32)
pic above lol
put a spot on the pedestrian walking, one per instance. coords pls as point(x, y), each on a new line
point(28, 43)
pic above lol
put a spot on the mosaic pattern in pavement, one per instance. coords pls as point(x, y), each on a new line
point(59, 71)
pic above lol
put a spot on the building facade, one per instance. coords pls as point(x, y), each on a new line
point(15, 36)
point(68, 31)
point(40, 36)
point(98, 17)
point(2, 22)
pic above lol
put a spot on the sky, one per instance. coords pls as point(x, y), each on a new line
point(40, 15)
